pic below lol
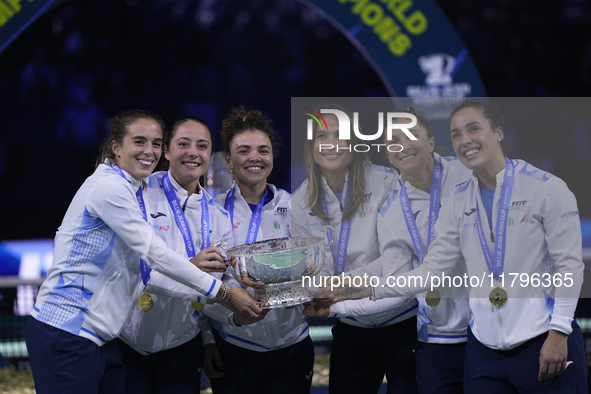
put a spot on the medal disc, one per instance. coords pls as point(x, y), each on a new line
point(145, 302)
point(197, 306)
point(498, 296)
point(433, 298)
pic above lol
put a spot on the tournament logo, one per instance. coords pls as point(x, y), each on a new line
point(439, 70)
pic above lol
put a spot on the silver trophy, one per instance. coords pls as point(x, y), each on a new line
point(275, 268)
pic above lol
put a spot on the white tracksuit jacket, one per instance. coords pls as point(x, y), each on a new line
point(172, 321)
point(543, 237)
point(448, 321)
point(362, 249)
point(95, 281)
point(281, 327)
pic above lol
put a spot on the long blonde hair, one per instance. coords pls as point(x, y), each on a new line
point(356, 175)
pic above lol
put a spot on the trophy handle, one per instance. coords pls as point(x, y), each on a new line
point(221, 245)
point(326, 228)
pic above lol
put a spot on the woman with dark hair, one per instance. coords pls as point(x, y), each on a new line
point(344, 190)
point(102, 249)
point(517, 227)
point(274, 355)
point(163, 351)
point(406, 227)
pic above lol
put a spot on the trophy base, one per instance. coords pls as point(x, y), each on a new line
point(281, 295)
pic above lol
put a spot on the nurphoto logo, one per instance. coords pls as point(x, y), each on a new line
point(345, 129)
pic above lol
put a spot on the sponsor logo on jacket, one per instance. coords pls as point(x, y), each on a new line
point(159, 228)
point(470, 212)
point(519, 205)
point(569, 214)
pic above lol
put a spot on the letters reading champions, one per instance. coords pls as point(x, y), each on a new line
point(345, 130)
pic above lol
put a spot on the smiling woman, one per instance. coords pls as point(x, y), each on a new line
point(100, 252)
point(513, 326)
point(344, 190)
point(140, 149)
point(188, 149)
point(276, 353)
point(160, 356)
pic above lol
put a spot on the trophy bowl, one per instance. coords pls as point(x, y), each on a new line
point(275, 268)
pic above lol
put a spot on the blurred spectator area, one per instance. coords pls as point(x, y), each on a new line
point(85, 61)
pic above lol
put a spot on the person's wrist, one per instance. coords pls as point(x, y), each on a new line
point(234, 321)
point(224, 293)
point(558, 334)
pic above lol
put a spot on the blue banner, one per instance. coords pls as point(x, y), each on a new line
point(412, 45)
point(17, 15)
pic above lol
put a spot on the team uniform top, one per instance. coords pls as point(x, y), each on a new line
point(281, 327)
point(543, 237)
point(448, 321)
point(95, 279)
point(362, 247)
point(172, 321)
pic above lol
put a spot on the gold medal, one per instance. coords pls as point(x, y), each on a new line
point(498, 296)
point(197, 306)
point(145, 302)
point(433, 298)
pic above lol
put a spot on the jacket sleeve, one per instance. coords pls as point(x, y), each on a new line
point(563, 236)
point(160, 284)
point(113, 200)
point(365, 308)
point(395, 256)
point(441, 258)
point(217, 311)
point(206, 330)
point(394, 259)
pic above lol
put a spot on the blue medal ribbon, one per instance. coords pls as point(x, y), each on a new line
point(229, 204)
point(255, 218)
point(181, 222)
point(139, 195)
point(435, 197)
point(341, 255)
point(497, 267)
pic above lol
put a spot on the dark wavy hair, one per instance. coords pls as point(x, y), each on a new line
point(240, 120)
point(490, 113)
point(170, 133)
